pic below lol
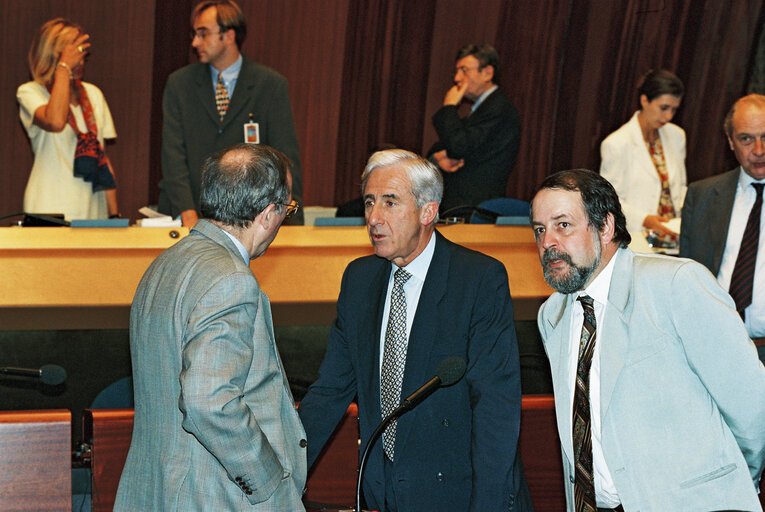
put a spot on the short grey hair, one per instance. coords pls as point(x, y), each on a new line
point(427, 183)
point(240, 181)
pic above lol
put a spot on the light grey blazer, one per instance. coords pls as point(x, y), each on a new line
point(214, 417)
point(627, 164)
point(682, 390)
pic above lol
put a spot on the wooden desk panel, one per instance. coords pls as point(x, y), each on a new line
point(65, 278)
point(109, 432)
point(35, 460)
point(540, 451)
point(332, 479)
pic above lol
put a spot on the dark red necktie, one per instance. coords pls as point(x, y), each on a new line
point(742, 280)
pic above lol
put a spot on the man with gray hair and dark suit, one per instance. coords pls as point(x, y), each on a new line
point(215, 423)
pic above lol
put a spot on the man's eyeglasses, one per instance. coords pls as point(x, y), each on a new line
point(201, 33)
point(291, 208)
point(465, 70)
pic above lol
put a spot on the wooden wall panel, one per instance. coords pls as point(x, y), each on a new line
point(532, 79)
point(305, 42)
point(455, 24)
point(363, 73)
point(120, 64)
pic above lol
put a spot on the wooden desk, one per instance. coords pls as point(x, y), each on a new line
point(70, 278)
point(108, 432)
point(35, 460)
point(540, 451)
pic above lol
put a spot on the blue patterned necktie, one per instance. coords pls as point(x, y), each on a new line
point(221, 97)
point(394, 357)
point(584, 482)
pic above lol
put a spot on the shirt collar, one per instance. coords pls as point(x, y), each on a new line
point(418, 267)
point(599, 287)
point(744, 180)
point(230, 73)
point(242, 251)
point(482, 97)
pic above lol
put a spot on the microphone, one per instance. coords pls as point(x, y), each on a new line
point(49, 374)
point(449, 372)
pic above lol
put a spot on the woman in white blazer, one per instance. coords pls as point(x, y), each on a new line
point(645, 159)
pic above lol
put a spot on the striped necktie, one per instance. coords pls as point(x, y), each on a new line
point(742, 280)
point(584, 481)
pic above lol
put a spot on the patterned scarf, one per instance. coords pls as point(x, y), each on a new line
point(90, 162)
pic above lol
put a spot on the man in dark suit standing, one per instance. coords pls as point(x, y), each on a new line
point(417, 301)
point(724, 213)
point(222, 100)
point(475, 153)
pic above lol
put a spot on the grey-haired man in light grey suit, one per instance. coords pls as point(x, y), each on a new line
point(215, 422)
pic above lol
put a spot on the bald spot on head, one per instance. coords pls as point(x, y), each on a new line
point(751, 100)
point(235, 158)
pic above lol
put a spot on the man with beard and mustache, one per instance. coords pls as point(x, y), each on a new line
point(659, 395)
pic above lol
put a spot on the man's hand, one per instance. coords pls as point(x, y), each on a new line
point(189, 218)
point(445, 163)
point(455, 94)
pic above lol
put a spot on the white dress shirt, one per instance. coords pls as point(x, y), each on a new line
point(742, 206)
point(418, 267)
point(605, 490)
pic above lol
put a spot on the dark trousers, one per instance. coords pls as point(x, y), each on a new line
point(390, 492)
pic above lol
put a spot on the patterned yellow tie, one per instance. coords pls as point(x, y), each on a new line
point(221, 97)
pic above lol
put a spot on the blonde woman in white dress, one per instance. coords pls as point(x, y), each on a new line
point(67, 121)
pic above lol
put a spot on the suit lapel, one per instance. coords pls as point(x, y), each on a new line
point(559, 347)
point(613, 336)
point(205, 92)
point(245, 83)
point(369, 339)
point(723, 195)
point(640, 151)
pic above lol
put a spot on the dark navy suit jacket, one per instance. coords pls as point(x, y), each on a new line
point(488, 140)
point(458, 450)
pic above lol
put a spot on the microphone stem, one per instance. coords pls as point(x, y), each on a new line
point(376, 434)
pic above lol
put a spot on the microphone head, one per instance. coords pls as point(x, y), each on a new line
point(52, 374)
point(450, 370)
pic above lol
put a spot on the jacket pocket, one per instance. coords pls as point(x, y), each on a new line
point(717, 473)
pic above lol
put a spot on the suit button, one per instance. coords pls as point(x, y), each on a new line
point(445, 422)
point(440, 477)
point(572, 479)
point(303, 443)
